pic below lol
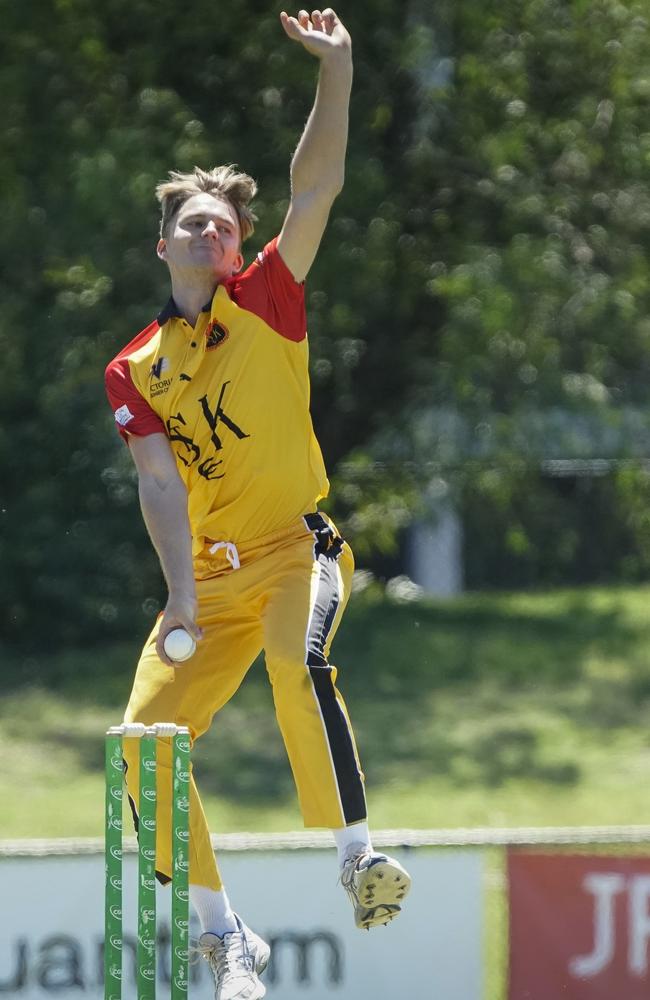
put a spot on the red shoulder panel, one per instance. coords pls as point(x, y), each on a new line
point(268, 289)
point(133, 415)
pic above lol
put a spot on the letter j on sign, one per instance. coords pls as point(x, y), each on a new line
point(579, 926)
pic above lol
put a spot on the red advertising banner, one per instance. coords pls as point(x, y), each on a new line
point(579, 927)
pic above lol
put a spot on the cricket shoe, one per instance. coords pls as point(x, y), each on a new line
point(376, 885)
point(236, 961)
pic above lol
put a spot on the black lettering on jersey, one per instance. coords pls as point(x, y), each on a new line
point(219, 415)
point(208, 468)
point(156, 369)
point(193, 452)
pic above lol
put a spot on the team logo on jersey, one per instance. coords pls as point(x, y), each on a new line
point(160, 366)
point(161, 385)
point(215, 336)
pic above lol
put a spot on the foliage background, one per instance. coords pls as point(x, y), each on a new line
point(479, 306)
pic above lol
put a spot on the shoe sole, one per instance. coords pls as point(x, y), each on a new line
point(381, 889)
point(261, 988)
point(262, 954)
point(260, 991)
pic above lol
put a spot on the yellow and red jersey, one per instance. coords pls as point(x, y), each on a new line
point(232, 396)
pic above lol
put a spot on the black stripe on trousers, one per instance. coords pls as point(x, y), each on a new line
point(323, 613)
point(161, 877)
point(346, 772)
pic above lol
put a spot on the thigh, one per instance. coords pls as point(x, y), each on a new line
point(192, 692)
point(309, 589)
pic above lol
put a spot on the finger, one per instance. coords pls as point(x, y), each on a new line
point(194, 630)
point(329, 20)
point(187, 621)
point(292, 27)
point(303, 20)
point(160, 649)
point(317, 20)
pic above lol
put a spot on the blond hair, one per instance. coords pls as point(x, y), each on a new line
point(223, 182)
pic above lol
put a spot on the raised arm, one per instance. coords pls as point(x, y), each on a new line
point(163, 499)
point(318, 166)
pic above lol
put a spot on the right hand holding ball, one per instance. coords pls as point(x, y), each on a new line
point(179, 645)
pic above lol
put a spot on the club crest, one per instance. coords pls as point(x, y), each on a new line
point(215, 336)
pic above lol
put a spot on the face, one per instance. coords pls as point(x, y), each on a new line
point(204, 236)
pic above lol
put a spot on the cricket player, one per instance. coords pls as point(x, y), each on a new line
point(212, 399)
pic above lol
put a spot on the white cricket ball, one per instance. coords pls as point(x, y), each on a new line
point(179, 645)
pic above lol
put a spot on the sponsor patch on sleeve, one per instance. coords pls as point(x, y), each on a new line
point(123, 415)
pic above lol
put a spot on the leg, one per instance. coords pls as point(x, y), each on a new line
point(308, 597)
point(190, 695)
point(309, 586)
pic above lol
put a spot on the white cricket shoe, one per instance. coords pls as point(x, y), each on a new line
point(236, 961)
point(376, 885)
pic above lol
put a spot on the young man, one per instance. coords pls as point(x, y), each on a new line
point(213, 401)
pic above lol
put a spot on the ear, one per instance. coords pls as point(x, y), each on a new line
point(161, 249)
point(238, 263)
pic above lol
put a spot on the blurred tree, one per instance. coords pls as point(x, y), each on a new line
point(487, 256)
point(104, 100)
point(522, 263)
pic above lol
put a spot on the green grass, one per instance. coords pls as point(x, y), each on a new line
point(524, 709)
point(493, 710)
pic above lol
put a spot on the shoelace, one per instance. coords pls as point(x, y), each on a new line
point(349, 870)
point(196, 952)
point(232, 555)
point(231, 951)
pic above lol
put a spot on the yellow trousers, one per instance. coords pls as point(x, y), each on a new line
point(286, 596)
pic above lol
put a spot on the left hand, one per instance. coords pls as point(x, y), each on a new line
point(322, 34)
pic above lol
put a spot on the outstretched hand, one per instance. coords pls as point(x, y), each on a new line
point(322, 33)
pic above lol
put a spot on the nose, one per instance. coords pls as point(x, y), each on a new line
point(210, 230)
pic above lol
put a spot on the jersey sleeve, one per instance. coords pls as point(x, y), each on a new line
point(269, 289)
point(133, 415)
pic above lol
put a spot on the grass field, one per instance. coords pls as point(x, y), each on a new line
point(498, 710)
point(526, 709)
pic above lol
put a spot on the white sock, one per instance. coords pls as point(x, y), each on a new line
point(358, 834)
point(213, 910)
